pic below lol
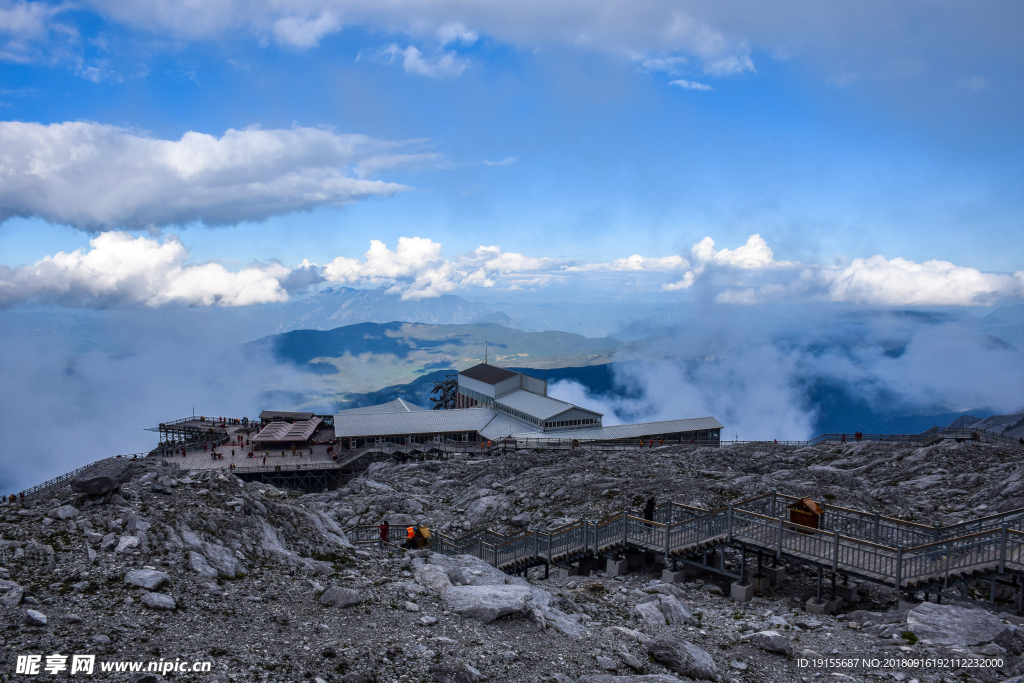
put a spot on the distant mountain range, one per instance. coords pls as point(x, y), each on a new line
point(1010, 425)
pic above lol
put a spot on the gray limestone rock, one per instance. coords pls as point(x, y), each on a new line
point(158, 601)
point(683, 657)
point(433, 578)
point(454, 673)
point(35, 618)
point(337, 596)
point(675, 612)
point(150, 579)
point(104, 476)
point(486, 603)
point(650, 616)
point(771, 641)
point(12, 598)
point(198, 564)
point(126, 543)
point(64, 512)
point(951, 625)
point(607, 678)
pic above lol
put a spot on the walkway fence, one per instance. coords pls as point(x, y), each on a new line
point(870, 546)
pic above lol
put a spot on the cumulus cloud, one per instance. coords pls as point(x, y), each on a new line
point(94, 176)
point(442, 65)
point(416, 269)
point(754, 254)
point(897, 281)
point(691, 85)
point(119, 269)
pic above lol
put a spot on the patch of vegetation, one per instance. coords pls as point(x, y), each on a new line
point(909, 637)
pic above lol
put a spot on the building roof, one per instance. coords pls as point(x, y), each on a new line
point(284, 415)
point(414, 422)
point(541, 407)
point(488, 374)
point(288, 431)
point(630, 431)
point(501, 426)
point(396, 406)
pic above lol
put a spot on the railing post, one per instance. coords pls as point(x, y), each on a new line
point(1002, 548)
point(728, 531)
point(778, 549)
point(773, 503)
point(668, 529)
point(835, 551)
point(899, 568)
point(625, 531)
point(936, 532)
point(878, 525)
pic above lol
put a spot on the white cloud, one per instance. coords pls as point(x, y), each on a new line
point(416, 269)
point(306, 32)
point(688, 279)
point(443, 65)
point(729, 65)
point(899, 282)
point(754, 254)
point(456, 32)
point(507, 161)
point(119, 269)
point(691, 85)
point(95, 176)
point(636, 262)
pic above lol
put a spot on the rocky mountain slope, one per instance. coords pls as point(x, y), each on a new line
point(266, 586)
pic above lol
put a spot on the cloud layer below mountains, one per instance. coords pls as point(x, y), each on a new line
point(120, 269)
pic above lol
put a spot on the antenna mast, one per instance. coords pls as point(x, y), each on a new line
point(485, 352)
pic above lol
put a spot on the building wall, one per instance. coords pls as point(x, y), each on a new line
point(534, 385)
point(507, 385)
point(477, 386)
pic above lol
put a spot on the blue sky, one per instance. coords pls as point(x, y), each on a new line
point(570, 135)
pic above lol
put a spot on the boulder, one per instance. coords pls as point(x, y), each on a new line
point(649, 614)
point(34, 618)
point(104, 476)
point(150, 579)
point(198, 564)
point(454, 673)
point(522, 519)
point(336, 596)
point(12, 597)
point(951, 625)
point(223, 560)
point(467, 570)
point(486, 603)
point(64, 512)
point(125, 543)
point(482, 508)
point(675, 612)
point(158, 601)
point(433, 578)
point(771, 641)
point(683, 657)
